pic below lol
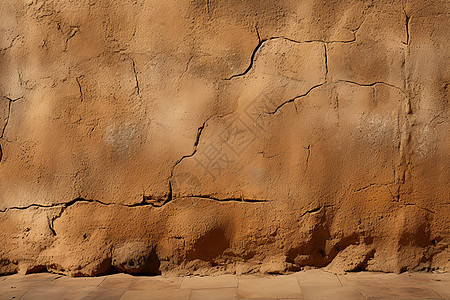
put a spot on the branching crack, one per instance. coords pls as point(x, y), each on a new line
point(65, 205)
point(261, 43)
point(70, 34)
point(52, 221)
point(419, 207)
point(197, 140)
point(295, 98)
point(72, 202)
point(252, 58)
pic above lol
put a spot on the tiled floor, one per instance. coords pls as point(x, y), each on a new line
point(313, 284)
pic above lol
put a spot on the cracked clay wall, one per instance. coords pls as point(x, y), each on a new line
point(203, 136)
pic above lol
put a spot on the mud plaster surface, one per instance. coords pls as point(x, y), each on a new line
point(200, 137)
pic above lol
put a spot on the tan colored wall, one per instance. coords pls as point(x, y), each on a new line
point(224, 136)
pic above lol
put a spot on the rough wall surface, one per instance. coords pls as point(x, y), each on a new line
point(204, 136)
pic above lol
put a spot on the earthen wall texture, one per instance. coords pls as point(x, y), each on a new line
point(203, 136)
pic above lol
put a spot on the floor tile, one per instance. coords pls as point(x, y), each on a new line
point(32, 277)
point(226, 281)
point(214, 294)
point(399, 292)
point(155, 283)
point(417, 279)
point(79, 281)
point(174, 294)
point(119, 281)
point(334, 293)
point(443, 289)
point(317, 278)
point(420, 280)
point(275, 287)
point(58, 292)
point(368, 278)
point(101, 293)
point(7, 294)
point(322, 285)
point(24, 284)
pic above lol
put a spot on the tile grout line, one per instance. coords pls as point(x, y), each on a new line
point(98, 285)
point(24, 294)
point(339, 279)
point(439, 294)
point(364, 295)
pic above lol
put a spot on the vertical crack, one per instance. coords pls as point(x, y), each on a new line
point(407, 19)
point(307, 158)
point(52, 220)
point(187, 66)
point(159, 201)
point(170, 194)
point(208, 3)
point(10, 102)
point(257, 33)
point(197, 140)
point(326, 60)
point(138, 89)
point(80, 88)
point(252, 58)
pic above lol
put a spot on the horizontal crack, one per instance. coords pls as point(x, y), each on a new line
point(372, 84)
point(317, 209)
point(64, 205)
point(140, 204)
point(374, 185)
point(226, 199)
